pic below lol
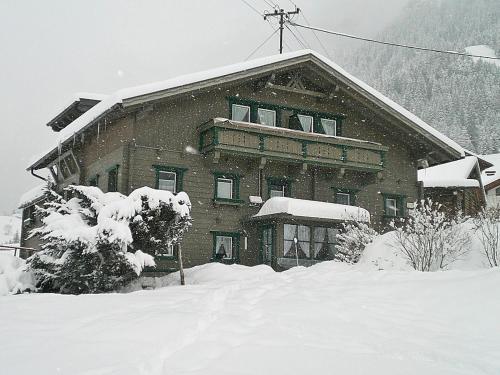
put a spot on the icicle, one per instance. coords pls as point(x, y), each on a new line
point(74, 139)
point(59, 148)
point(98, 129)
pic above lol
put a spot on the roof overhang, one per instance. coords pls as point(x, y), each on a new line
point(251, 69)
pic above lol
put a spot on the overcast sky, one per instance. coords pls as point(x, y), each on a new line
point(52, 49)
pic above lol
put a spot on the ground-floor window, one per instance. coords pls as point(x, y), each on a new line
point(225, 246)
point(309, 242)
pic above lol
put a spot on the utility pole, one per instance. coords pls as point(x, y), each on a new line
point(284, 16)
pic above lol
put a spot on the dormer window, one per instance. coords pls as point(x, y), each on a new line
point(240, 113)
point(65, 167)
point(306, 122)
point(266, 117)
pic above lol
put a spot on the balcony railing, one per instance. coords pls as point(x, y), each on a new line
point(254, 140)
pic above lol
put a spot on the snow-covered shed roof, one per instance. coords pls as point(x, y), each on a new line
point(32, 196)
point(154, 91)
point(453, 174)
point(492, 174)
point(311, 209)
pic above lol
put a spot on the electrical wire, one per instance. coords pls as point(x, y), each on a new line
point(300, 42)
point(252, 7)
point(390, 43)
point(260, 45)
point(314, 33)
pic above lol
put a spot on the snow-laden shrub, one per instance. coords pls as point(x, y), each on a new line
point(487, 225)
point(430, 239)
point(92, 242)
point(352, 241)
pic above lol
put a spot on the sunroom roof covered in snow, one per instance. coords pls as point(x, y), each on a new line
point(452, 174)
point(182, 84)
point(301, 208)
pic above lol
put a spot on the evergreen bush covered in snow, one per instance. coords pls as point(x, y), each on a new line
point(93, 241)
point(487, 225)
point(429, 239)
point(352, 241)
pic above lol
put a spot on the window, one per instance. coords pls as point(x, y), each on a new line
point(226, 246)
point(224, 188)
point(304, 242)
point(167, 181)
point(306, 122)
point(343, 198)
point(94, 181)
point(113, 179)
point(167, 252)
point(329, 126)
point(324, 243)
point(297, 241)
point(394, 205)
point(240, 113)
point(266, 117)
point(169, 178)
point(278, 187)
point(497, 192)
point(227, 186)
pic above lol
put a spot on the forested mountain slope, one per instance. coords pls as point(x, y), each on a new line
point(457, 95)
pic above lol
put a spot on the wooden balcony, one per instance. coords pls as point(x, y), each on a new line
point(222, 136)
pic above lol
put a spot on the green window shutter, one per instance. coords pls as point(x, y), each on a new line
point(339, 127)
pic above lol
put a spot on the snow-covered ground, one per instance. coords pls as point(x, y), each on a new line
point(327, 319)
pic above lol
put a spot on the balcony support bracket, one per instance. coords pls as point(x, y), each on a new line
point(216, 157)
point(262, 163)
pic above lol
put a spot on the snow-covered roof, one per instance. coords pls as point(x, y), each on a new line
point(312, 209)
point(491, 174)
point(210, 77)
point(483, 50)
point(33, 195)
point(452, 174)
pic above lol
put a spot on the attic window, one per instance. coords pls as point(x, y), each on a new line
point(490, 173)
point(240, 113)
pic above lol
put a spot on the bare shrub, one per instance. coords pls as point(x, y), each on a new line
point(487, 226)
point(429, 239)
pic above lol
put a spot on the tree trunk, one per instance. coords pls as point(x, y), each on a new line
point(181, 268)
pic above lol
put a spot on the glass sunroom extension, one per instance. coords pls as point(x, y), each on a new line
point(304, 232)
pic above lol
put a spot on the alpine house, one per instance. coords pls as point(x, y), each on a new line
point(275, 154)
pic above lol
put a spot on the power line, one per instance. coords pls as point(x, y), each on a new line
point(260, 45)
point(252, 7)
point(316, 36)
point(300, 42)
point(390, 43)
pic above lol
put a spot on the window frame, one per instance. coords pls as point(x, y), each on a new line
point(179, 176)
point(170, 255)
point(164, 179)
point(312, 241)
point(400, 205)
point(233, 105)
point(114, 169)
point(278, 108)
point(284, 182)
point(350, 191)
point(497, 192)
point(267, 110)
point(235, 187)
point(231, 189)
point(235, 246)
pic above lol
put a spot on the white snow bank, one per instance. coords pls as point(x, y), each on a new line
point(326, 319)
point(483, 50)
point(383, 254)
point(452, 174)
point(12, 277)
point(312, 209)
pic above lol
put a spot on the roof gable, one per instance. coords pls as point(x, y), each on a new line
point(158, 90)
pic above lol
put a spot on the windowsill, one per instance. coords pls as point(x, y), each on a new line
point(228, 202)
point(224, 261)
